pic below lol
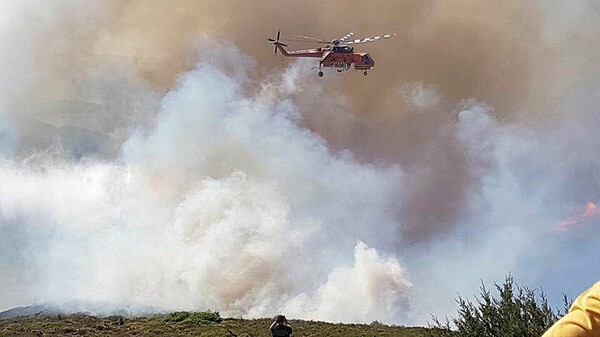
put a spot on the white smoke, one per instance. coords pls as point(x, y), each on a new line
point(527, 177)
point(225, 204)
point(7, 137)
point(217, 195)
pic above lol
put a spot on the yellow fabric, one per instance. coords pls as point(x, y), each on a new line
point(583, 319)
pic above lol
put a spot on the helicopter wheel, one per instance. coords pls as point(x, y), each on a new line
point(339, 70)
point(365, 73)
point(320, 74)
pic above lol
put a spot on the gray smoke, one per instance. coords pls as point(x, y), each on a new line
point(225, 203)
point(145, 161)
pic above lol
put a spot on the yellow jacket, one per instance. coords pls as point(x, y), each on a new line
point(583, 319)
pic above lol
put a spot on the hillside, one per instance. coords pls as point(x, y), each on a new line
point(85, 325)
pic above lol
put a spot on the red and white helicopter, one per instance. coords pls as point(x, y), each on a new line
point(337, 54)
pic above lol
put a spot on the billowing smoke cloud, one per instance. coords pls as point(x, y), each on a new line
point(226, 203)
point(160, 155)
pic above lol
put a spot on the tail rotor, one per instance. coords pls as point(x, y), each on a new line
point(276, 41)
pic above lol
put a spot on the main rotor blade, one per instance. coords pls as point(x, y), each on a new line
point(372, 39)
point(346, 37)
point(310, 38)
point(304, 41)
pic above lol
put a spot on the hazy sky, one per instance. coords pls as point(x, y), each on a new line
point(157, 153)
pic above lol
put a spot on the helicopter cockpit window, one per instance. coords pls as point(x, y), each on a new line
point(344, 49)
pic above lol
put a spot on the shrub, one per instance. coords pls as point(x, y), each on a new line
point(518, 311)
point(205, 317)
point(177, 316)
point(200, 317)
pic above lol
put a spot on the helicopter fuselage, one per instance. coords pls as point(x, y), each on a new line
point(340, 58)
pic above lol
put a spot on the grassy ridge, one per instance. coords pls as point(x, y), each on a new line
point(84, 325)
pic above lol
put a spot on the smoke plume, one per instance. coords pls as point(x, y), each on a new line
point(158, 154)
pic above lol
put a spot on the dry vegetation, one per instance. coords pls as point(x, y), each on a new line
point(84, 325)
point(515, 312)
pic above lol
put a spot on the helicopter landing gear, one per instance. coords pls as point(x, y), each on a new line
point(320, 73)
point(365, 73)
point(339, 70)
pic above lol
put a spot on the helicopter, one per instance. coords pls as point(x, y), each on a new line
point(337, 54)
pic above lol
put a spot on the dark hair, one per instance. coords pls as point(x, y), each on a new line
point(280, 319)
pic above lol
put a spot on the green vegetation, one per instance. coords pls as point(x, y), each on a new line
point(187, 324)
point(517, 312)
point(202, 317)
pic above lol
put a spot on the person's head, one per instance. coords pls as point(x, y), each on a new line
point(280, 319)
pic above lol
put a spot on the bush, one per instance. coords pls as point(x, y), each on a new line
point(205, 317)
point(516, 312)
point(177, 316)
point(200, 317)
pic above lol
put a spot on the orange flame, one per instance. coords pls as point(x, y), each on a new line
point(591, 210)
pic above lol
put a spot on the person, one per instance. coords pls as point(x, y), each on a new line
point(280, 327)
point(583, 319)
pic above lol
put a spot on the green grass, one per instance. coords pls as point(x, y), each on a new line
point(186, 324)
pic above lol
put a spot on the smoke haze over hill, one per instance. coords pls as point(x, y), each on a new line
point(158, 153)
